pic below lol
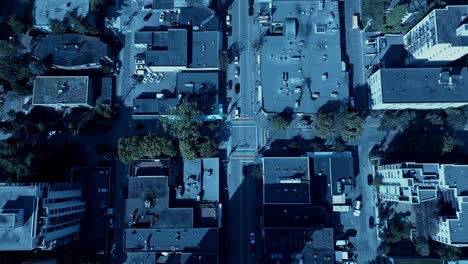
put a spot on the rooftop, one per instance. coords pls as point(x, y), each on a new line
point(201, 180)
point(70, 51)
point(457, 176)
point(150, 167)
point(424, 85)
point(17, 217)
point(286, 180)
point(205, 49)
point(202, 17)
point(203, 86)
point(305, 38)
point(172, 240)
point(45, 10)
point(297, 215)
point(304, 245)
point(148, 205)
point(448, 20)
point(167, 48)
point(66, 90)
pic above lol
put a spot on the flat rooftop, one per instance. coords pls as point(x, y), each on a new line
point(297, 215)
point(286, 180)
point(294, 244)
point(150, 167)
point(45, 10)
point(72, 90)
point(301, 60)
point(201, 180)
point(175, 240)
point(17, 217)
point(424, 85)
point(448, 20)
point(169, 48)
point(457, 176)
point(147, 205)
point(202, 86)
point(206, 46)
point(203, 17)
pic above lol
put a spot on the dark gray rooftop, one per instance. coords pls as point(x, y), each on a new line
point(421, 85)
point(307, 244)
point(448, 20)
point(154, 106)
point(296, 215)
point(150, 167)
point(172, 240)
point(203, 17)
point(169, 48)
point(163, 4)
point(458, 231)
point(148, 204)
point(308, 49)
point(205, 49)
point(457, 176)
point(66, 90)
point(70, 50)
point(45, 10)
point(203, 86)
point(141, 257)
point(201, 180)
point(286, 180)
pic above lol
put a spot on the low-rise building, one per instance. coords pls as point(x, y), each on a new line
point(200, 180)
point(418, 88)
point(46, 10)
point(63, 91)
point(39, 216)
point(416, 183)
point(71, 51)
point(442, 35)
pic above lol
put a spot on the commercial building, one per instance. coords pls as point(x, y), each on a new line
point(63, 91)
point(416, 183)
point(40, 216)
point(418, 88)
point(300, 58)
point(46, 10)
point(442, 35)
point(72, 51)
point(200, 180)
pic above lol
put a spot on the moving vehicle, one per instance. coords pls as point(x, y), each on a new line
point(160, 77)
point(370, 179)
point(371, 222)
point(148, 16)
point(236, 72)
point(356, 21)
point(237, 113)
point(357, 207)
point(228, 19)
point(252, 238)
point(236, 59)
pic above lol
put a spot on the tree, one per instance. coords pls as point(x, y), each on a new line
point(383, 248)
point(446, 252)
point(324, 127)
point(398, 229)
point(456, 119)
point(373, 10)
point(435, 119)
point(37, 68)
point(394, 17)
point(422, 246)
point(281, 121)
point(353, 122)
point(450, 142)
point(19, 24)
point(58, 27)
point(397, 120)
point(426, 216)
point(146, 146)
point(97, 5)
point(7, 48)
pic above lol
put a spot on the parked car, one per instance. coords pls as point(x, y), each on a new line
point(236, 72)
point(228, 19)
point(103, 190)
point(229, 31)
point(111, 223)
point(237, 113)
point(229, 85)
point(118, 65)
point(236, 59)
point(357, 207)
point(146, 78)
point(371, 222)
point(160, 77)
point(139, 61)
point(153, 77)
point(370, 179)
point(148, 16)
point(162, 16)
point(237, 88)
point(252, 238)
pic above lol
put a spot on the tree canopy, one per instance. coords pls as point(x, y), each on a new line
point(281, 121)
point(146, 146)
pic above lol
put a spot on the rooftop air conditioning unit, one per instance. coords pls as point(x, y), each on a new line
point(147, 203)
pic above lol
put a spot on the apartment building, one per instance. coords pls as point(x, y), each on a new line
point(418, 88)
point(415, 183)
point(43, 215)
point(442, 35)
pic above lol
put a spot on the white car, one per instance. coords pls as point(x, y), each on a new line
point(162, 16)
point(103, 190)
point(153, 77)
point(139, 61)
point(236, 72)
point(160, 77)
point(146, 78)
point(228, 19)
point(252, 238)
point(237, 113)
point(357, 207)
point(236, 59)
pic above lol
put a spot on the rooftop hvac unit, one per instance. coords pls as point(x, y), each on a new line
point(147, 203)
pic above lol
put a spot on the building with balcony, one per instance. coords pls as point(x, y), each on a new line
point(418, 88)
point(415, 183)
point(442, 35)
point(39, 216)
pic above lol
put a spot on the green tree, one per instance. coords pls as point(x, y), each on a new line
point(281, 121)
point(446, 252)
point(435, 119)
point(455, 118)
point(394, 17)
point(207, 148)
point(147, 146)
point(19, 24)
point(383, 248)
point(58, 27)
point(373, 10)
point(422, 246)
point(353, 125)
point(7, 48)
point(397, 120)
point(450, 142)
point(187, 149)
point(97, 5)
point(324, 127)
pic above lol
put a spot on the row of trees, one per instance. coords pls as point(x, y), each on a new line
point(343, 123)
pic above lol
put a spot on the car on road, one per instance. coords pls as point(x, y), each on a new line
point(236, 72)
point(237, 113)
point(357, 207)
point(371, 222)
point(229, 31)
point(118, 65)
point(111, 223)
point(229, 85)
point(148, 16)
point(228, 19)
point(370, 179)
point(236, 59)
point(252, 238)
point(237, 88)
point(103, 190)
point(153, 77)
point(162, 16)
point(160, 77)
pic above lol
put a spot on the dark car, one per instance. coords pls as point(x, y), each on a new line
point(371, 222)
point(147, 17)
point(237, 88)
point(118, 65)
point(229, 85)
point(229, 31)
point(370, 179)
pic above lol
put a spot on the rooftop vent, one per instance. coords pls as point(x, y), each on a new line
point(462, 31)
point(147, 203)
